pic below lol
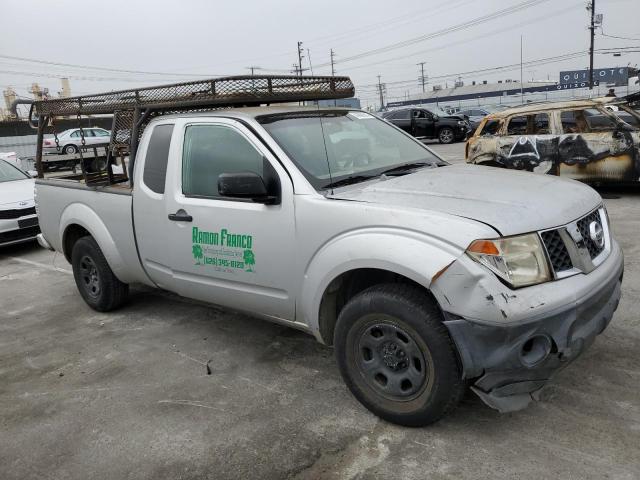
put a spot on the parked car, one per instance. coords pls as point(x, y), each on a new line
point(476, 114)
point(70, 140)
point(580, 139)
point(18, 219)
point(424, 276)
point(430, 123)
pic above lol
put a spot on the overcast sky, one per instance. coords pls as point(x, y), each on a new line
point(207, 38)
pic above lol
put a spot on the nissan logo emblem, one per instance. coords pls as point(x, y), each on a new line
point(596, 234)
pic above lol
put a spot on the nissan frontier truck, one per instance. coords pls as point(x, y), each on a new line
point(426, 278)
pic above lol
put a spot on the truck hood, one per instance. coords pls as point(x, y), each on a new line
point(512, 202)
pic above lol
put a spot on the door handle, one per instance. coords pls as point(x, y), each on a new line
point(180, 216)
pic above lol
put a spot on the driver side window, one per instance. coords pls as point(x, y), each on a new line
point(210, 150)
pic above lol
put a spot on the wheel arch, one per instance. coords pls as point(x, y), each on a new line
point(363, 259)
point(78, 220)
point(346, 286)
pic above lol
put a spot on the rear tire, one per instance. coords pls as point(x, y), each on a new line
point(446, 135)
point(396, 356)
point(97, 284)
point(70, 149)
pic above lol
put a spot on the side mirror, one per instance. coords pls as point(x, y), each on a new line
point(246, 185)
point(435, 117)
point(32, 173)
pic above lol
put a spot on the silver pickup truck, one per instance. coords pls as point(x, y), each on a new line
point(426, 277)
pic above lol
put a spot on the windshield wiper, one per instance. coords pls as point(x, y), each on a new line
point(349, 180)
point(402, 169)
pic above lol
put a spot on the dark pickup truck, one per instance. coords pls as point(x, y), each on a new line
point(424, 123)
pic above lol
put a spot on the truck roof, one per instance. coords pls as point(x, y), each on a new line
point(253, 112)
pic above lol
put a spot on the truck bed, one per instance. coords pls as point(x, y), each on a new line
point(104, 211)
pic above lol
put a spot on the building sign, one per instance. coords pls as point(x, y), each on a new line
point(568, 86)
point(618, 76)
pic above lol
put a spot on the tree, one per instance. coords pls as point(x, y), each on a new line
point(197, 253)
point(249, 259)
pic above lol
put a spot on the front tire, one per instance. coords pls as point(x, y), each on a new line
point(396, 356)
point(446, 135)
point(97, 284)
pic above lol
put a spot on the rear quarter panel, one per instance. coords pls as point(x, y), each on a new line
point(106, 216)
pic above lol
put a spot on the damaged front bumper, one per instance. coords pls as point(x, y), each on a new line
point(533, 332)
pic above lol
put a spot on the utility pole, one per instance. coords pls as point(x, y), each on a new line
point(422, 74)
point(380, 86)
point(310, 64)
point(252, 68)
point(521, 84)
point(333, 70)
point(592, 27)
point(300, 55)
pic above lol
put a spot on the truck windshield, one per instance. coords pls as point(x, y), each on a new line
point(9, 173)
point(333, 146)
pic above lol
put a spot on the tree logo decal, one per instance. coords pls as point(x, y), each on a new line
point(197, 254)
point(249, 260)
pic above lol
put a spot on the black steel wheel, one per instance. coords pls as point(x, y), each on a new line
point(396, 356)
point(390, 359)
point(89, 275)
point(96, 282)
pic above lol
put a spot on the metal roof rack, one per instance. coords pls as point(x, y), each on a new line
point(133, 109)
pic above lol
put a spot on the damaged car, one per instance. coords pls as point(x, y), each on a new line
point(583, 139)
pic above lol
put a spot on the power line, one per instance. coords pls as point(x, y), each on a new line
point(462, 26)
point(105, 69)
point(514, 66)
point(623, 38)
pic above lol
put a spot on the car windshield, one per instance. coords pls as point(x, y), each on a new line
point(334, 146)
point(9, 173)
point(438, 111)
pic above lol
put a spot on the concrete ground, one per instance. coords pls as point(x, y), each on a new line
point(85, 395)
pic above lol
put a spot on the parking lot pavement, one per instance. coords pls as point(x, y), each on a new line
point(128, 395)
point(452, 153)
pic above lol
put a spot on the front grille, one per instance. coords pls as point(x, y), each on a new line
point(583, 226)
point(20, 234)
point(16, 213)
point(570, 248)
point(557, 250)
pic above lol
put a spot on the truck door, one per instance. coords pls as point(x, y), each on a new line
point(201, 245)
point(529, 144)
point(423, 124)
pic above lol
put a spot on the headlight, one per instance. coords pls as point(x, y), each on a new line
point(520, 261)
point(461, 122)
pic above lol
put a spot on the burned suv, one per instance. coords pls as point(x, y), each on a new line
point(583, 140)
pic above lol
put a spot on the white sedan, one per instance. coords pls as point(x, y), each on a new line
point(70, 140)
point(18, 219)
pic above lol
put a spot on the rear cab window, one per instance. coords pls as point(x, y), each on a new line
point(157, 157)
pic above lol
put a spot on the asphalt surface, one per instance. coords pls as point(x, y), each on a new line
point(85, 395)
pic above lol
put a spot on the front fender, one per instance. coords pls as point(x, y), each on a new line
point(408, 253)
point(81, 214)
